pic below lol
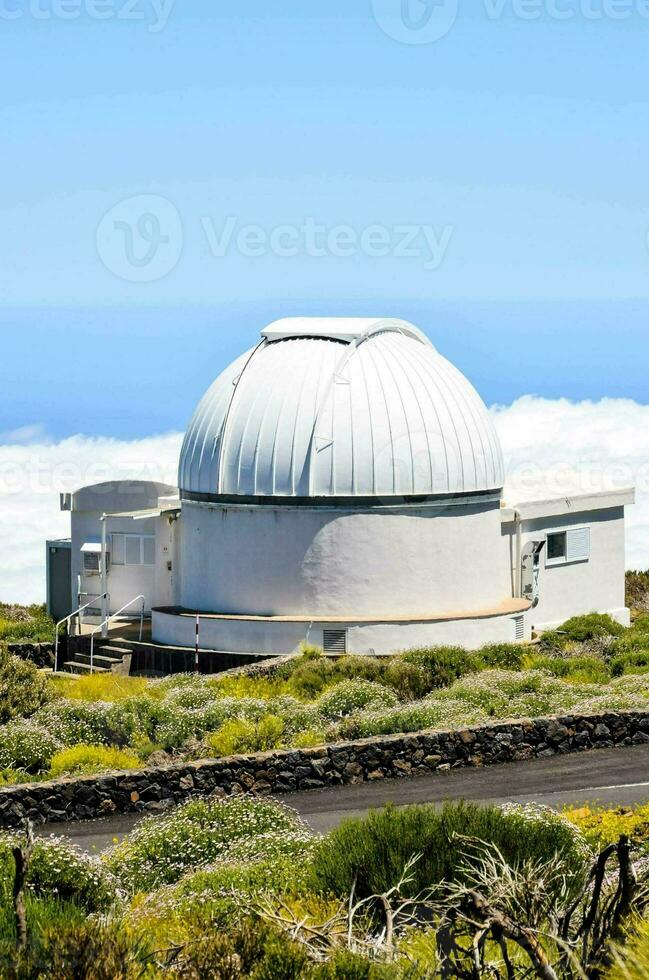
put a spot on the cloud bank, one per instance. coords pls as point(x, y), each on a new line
point(551, 447)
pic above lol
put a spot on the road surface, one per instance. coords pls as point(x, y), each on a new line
point(611, 777)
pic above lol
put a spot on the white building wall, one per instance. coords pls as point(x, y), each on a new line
point(579, 587)
point(88, 504)
point(319, 562)
point(276, 637)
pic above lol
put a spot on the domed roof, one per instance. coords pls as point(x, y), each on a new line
point(342, 407)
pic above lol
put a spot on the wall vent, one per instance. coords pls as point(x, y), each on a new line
point(334, 641)
point(519, 628)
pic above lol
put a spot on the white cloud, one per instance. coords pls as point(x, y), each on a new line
point(551, 446)
point(557, 446)
point(31, 477)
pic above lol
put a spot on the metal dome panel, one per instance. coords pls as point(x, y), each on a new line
point(341, 408)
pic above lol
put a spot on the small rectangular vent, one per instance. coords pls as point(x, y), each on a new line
point(334, 641)
point(519, 628)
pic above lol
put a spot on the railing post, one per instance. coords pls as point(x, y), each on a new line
point(141, 619)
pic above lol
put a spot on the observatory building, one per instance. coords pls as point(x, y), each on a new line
point(340, 483)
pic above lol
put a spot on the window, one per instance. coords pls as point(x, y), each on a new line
point(568, 546)
point(557, 547)
point(133, 549)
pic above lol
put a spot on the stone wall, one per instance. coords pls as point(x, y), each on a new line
point(41, 654)
point(385, 757)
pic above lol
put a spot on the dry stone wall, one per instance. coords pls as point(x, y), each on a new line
point(384, 757)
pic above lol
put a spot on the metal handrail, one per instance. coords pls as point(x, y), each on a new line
point(106, 621)
point(66, 619)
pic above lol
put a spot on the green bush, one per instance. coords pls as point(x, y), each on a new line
point(349, 696)
point(219, 895)
point(310, 676)
point(23, 689)
point(582, 670)
point(641, 624)
point(410, 681)
point(240, 736)
point(84, 759)
point(582, 628)
point(414, 717)
point(443, 664)
point(59, 869)
point(26, 745)
point(179, 725)
point(89, 949)
point(74, 722)
point(25, 623)
point(632, 662)
point(373, 851)
point(255, 950)
point(161, 849)
point(507, 656)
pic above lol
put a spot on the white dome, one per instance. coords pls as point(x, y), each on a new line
point(340, 407)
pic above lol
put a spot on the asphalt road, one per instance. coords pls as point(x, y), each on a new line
point(612, 777)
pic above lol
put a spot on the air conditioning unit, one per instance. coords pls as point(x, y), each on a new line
point(91, 558)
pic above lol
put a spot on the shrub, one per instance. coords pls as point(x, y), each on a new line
point(507, 656)
point(601, 827)
point(74, 722)
point(637, 591)
point(81, 950)
point(310, 676)
point(296, 715)
point(219, 895)
point(410, 681)
point(632, 662)
point(254, 950)
point(25, 623)
point(196, 695)
point(443, 664)
point(59, 869)
point(582, 670)
point(360, 668)
point(641, 624)
point(10, 777)
point(80, 759)
point(511, 694)
point(582, 628)
point(240, 736)
point(23, 689)
point(414, 717)
point(135, 719)
point(26, 745)
point(374, 851)
point(348, 696)
point(161, 849)
point(181, 724)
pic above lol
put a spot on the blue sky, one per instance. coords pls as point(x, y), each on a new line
point(519, 147)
